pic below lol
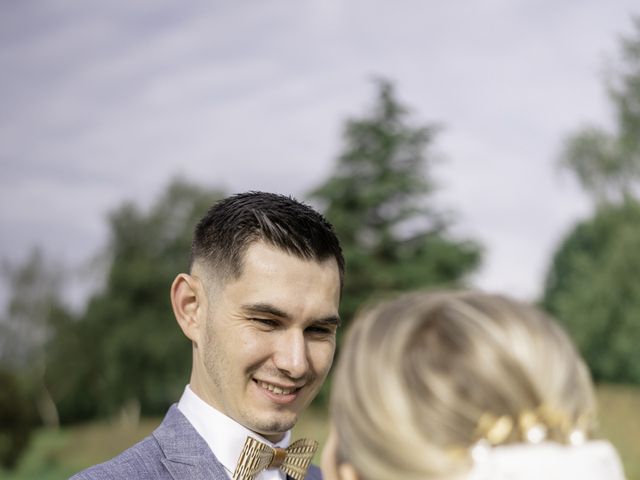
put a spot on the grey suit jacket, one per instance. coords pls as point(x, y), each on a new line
point(174, 451)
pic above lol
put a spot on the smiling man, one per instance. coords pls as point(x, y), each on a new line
point(260, 306)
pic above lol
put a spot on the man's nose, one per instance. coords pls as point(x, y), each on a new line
point(291, 354)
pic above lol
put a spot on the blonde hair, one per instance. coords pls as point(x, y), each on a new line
point(416, 374)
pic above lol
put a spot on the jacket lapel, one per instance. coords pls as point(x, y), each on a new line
point(187, 455)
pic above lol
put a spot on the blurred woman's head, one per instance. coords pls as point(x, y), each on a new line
point(422, 378)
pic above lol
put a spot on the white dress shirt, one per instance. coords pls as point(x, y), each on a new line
point(224, 435)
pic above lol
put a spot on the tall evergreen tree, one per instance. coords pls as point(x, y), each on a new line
point(378, 199)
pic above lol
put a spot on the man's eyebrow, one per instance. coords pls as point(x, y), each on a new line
point(333, 320)
point(276, 312)
point(265, 308)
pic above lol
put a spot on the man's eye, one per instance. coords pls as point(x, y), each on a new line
point(267, 322)
point(320, 330)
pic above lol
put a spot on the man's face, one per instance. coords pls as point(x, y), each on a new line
point(269, 339)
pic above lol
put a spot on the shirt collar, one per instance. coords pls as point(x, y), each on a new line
point(224, 435)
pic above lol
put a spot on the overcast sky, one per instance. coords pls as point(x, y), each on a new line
point(104, 101)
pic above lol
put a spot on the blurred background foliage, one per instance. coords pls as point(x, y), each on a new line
point(127, 329)
point(593, 285)
point(121, 356)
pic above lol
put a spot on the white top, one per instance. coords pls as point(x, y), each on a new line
point(593, 460)
point(224, 435)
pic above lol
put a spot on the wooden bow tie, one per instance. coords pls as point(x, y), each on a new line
point(257, 456)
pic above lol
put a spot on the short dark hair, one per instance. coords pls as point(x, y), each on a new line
point(231, 225)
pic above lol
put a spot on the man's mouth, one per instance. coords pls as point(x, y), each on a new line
point(278, 390)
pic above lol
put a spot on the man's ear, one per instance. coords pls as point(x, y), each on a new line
point(187, 300)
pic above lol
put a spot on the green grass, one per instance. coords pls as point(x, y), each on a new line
point(55, 455)
point(619, 412)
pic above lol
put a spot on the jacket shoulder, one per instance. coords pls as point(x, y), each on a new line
point(142, 461)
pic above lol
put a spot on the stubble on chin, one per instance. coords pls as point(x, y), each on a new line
point(270, 426)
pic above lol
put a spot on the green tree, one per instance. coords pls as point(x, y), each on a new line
point(33, 306)
point(127, 353)
point(378, 199)
point(15, 420)
point(34, 310)
point(607, 164)
point(592, 285)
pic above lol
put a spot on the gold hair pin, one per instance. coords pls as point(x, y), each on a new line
point(532, 426)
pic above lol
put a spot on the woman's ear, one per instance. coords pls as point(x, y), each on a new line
point(331, 469)
point(347, 472)
point(187, 302)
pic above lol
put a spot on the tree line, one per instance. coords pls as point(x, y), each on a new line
point(122, 354)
